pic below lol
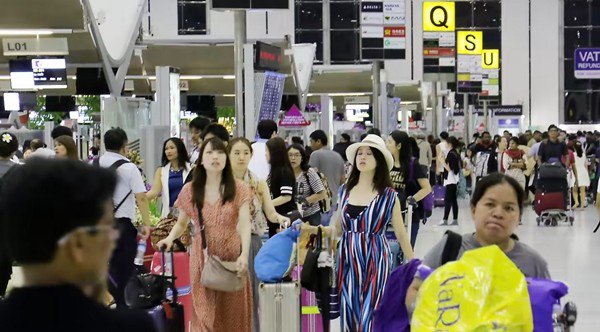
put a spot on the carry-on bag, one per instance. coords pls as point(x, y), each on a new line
point(279, 303)
point(552, 171)
point(439, 193)
point(311, 319)
point(181, 262)
point(168, 316)
point(549, 201)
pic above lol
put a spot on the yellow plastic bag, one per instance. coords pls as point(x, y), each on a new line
point(483, 291)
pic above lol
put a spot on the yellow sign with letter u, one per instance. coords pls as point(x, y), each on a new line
point(490, 59)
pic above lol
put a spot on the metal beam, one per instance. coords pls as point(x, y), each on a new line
point(239, 26)
point(115, 82)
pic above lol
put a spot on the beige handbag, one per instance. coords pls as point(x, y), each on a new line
point(215, 274)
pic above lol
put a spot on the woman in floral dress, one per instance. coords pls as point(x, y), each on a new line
point(225, 210)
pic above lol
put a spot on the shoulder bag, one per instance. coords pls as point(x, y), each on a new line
point(215, 275)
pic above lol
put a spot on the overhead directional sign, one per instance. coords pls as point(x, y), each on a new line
point(35, 46)
point(587, 63)
point(469, 42)
point(469, 61)
point(383, 29)
point(490, 59)
point(439, 42)
point(438, 16)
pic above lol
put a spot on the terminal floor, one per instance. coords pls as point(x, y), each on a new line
point(572, 252)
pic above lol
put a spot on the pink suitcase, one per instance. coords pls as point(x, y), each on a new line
point(181, 260)
point(311, 317)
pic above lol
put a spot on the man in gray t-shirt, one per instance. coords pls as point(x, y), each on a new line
point(328, 162)
point(525, 258)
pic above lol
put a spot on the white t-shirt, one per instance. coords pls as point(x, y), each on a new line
point(128, 178)
point(259, 164)
point(43, 153)
point(194, 155)
point(444, 148)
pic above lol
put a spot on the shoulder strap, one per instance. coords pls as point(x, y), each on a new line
point(118, 164)
point(452, 247)
point(308, 182)
point(114, 167)
point(201, 224)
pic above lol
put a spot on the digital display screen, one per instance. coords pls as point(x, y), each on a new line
point(250, 4)
point(11, 101)
point(49, 73)
point(21, 74)
point(268, 57)
point(43, 73)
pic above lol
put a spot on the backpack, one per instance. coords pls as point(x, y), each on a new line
point(114, 167)
point(324, 204)
point(482, 163)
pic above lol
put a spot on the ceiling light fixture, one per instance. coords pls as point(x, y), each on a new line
point(228, 77)
point(33, 32)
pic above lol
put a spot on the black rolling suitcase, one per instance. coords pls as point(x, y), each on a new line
point(168, 315)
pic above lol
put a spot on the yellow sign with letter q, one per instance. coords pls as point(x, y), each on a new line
point(438, 16)
point(469, 42)
point(490, 59)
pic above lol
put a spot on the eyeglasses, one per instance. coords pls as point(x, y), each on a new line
point(294, 155)
point(113, 232)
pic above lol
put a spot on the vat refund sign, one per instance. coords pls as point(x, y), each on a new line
point(587, 63)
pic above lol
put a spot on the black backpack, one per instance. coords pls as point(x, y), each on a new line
point(453, 244)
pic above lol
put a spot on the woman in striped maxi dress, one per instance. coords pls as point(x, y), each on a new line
point(368, 203)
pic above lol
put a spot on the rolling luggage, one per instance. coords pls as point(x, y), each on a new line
point(181, 269)
point(552, 171)
point(549, 201)
point(169, 315)
point(279, 303)
point(311, 320)
point(279, 307)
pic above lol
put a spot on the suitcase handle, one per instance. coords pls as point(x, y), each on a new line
point(172, 277)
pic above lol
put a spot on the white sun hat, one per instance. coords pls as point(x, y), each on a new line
point(374, 142)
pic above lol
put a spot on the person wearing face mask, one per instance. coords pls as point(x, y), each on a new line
point(261, 206)
point(223, 203)
point(496, 208)
point(368, 204)
point(64, 257)
point(170, 178)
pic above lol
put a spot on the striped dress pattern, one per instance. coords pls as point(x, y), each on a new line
point(364, 260)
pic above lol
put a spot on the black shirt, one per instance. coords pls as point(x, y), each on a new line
point(65, 308)
point(552, 150)
point(402, 185)
point(281, 184)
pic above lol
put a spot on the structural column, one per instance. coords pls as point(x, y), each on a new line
point(376, 73)
point(238, 49)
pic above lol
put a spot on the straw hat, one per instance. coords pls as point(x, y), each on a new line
point(374, 142)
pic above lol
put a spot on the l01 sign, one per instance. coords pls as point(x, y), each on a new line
point(587, 63)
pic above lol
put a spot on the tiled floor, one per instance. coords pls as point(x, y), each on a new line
point(573, 255)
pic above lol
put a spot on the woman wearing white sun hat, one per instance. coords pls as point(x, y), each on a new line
point(368, 203)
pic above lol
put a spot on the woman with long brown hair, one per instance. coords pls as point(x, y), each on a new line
point(224, 206)
point(65, 147)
